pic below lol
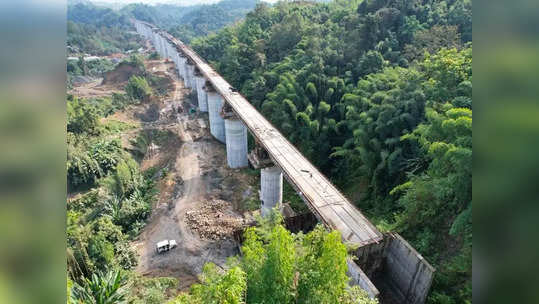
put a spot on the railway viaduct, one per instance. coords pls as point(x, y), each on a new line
point(386, 267)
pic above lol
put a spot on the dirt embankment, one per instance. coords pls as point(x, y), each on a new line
point(121, 73)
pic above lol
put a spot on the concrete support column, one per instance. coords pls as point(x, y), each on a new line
point(271, 189)
point(176, 59)
point(155, 42)
point(181, 67)
point(163, 47)
point(170, 51)
point(191, 73)
point(159, 45)
point(189, 68)
point(201, 94)
point(178, 64)
point(236, 143)
point(217, 123)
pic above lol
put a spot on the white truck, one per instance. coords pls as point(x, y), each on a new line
point(166, 245)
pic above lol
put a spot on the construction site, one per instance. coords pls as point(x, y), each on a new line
point(223, 164)
point(211, 180)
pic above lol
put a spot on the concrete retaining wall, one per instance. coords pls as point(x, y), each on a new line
point(407, 272)
point(358, 277)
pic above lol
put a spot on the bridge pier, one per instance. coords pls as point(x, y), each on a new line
point(190, 68)
point(162, 46)
point(165, 47)
point(182, 69)
point(271, 189)
point(174, 56)
point(201, 94)
point(177, 61)
point(155, 40)
point(171, 52)
point(217, 123)
point(236, 139)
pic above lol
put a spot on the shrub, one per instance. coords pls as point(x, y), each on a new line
point(138, 88)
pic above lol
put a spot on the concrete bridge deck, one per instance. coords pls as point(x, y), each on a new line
point(322, 197)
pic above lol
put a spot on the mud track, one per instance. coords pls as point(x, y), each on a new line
point(191, 165)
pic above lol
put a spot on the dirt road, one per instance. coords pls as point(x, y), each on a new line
point(191, 183)
point(168, 222)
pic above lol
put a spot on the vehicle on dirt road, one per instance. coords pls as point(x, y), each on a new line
point(166, 245)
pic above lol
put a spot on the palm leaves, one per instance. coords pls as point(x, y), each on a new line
point(102, 288)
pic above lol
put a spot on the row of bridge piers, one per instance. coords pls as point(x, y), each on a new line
point(225, 126)
point(387, 262)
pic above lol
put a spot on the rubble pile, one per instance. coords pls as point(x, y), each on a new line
point(215, 220)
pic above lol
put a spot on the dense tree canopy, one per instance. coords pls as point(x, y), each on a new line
point(280, 267)
point(98, 31)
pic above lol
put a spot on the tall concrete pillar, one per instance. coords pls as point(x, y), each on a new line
point(201, 94)
point(191, 73)
point(181, 67)
point(217, 123)
point(236, 143)
point(177, 61)
point(271, 189)
point(165, 53)
point(159, 47)
point(156, 42)
point(189, 68)
point(162, 46)
point(171, 53)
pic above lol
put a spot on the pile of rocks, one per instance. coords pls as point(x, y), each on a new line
point(215, 220)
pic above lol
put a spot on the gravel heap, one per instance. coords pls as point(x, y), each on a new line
point(215, 220)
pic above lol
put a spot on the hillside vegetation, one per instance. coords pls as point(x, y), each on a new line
point(99, 30)
point(378, 94)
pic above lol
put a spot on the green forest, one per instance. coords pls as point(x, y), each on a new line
point(99, 30)
point(378, 95)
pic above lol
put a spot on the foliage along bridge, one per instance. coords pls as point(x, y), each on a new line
point(231, 115)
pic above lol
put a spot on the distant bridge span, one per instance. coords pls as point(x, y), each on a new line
point(409, 275)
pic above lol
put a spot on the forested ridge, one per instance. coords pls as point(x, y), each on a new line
point(100, 30)
point(378, 94)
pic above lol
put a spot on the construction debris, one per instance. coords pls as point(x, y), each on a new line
point(215, 220)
